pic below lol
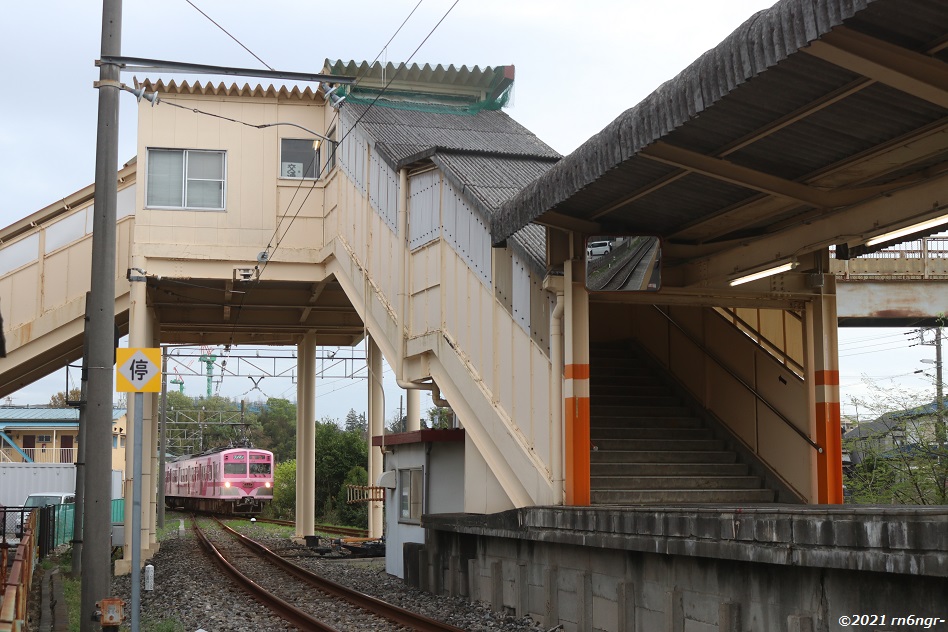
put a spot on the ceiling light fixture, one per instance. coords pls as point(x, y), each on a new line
point(908, 230)
point(783, 267)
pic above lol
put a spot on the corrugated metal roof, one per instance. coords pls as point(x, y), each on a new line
point(748, 140)
point(232, 90)
point(406, 135)
point(488, 157)
point(458, 79)
point(12, 414)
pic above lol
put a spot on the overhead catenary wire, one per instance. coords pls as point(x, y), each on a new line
point(229, 34)
point(333, 149)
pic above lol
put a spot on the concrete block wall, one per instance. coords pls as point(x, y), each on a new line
point(601, 586)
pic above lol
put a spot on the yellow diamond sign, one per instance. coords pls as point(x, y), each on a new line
point(138, 370)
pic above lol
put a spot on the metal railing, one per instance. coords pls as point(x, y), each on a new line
point(39, 455)
point(743, 383)
point(752, 332)
point(16, 579)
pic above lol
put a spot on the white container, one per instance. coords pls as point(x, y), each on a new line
point(19, 480)
point(149, 577)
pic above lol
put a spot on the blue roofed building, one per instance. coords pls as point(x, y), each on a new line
point(51, 435)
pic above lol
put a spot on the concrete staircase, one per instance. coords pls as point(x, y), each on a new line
point(649, 447)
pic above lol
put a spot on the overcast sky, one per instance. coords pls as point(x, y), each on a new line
point(578, 66)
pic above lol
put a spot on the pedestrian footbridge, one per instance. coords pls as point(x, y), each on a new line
point(430, 223)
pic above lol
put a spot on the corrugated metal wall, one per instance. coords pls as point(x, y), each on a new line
point(521, 292)
point(352, 155)
point(424, 208)
point(466, 232)
point(383, 190)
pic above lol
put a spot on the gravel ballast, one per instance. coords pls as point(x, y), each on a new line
point(191, 589)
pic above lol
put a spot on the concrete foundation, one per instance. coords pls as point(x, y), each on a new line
point(693, 569)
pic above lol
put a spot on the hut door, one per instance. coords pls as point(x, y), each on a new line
point(29, 445)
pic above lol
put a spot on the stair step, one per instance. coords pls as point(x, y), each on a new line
point(611, 351)
point(598, 433)
point(650, 448)
point(606, 410)
point(609, 373)
point(632, 399)
point(669, 469)
point(662, 456)
point(658, 390)
point(602, 483)
point(645, 422)
point(659, 444)
point(668, 496)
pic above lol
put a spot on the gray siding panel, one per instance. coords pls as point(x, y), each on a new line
point(424, 209)
point(383, 191)
point(467, 233)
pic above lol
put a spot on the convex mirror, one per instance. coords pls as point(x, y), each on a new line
point(623, 263)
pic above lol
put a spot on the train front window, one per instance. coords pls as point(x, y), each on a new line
point(235, 468)
point(259, 468)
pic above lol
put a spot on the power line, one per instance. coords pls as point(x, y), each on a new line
point(333, 146)
point(228, 34)
point(847, 355)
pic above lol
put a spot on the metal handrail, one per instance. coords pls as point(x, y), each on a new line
point(750, 388)
point(764, 342)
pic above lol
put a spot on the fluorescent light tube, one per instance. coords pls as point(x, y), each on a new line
point(908, 230)
point(783, 267)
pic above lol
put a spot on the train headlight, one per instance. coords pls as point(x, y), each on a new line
point(227, 484)
point(267, 484)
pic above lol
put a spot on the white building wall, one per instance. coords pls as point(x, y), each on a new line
point(457, 331)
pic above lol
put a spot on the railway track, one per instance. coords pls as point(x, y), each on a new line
point(623, 274)
point(323, 528)
point(331, 608)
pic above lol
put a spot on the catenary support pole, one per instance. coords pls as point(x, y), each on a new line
point(81, 452)
point(137, 515)
point(96, 550)
point(162, 441)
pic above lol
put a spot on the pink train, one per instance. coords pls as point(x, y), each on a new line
point(232, 481)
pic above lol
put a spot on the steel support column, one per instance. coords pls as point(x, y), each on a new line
point(822, 378)
point(308, 378)
point(376, 428)
point(300, 440)
point(412, 410)
point(577, 444)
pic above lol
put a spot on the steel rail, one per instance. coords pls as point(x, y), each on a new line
point(279, 607)
point(629, 266)
point(381, 608)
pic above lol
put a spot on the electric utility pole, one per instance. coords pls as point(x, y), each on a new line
point(97, 506)
point(941, 433)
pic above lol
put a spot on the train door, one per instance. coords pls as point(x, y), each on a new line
point(217, 478)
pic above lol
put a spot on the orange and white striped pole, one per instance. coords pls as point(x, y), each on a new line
point(823, 373)
point(577, 442)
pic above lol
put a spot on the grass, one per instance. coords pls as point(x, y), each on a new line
point(72, 587)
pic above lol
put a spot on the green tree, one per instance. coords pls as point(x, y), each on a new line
point(356, 422)
point(59, 399)
point(899, 456)
point(337, 452)
point(284, 490)
point(354, 514)
point(440, 418)
point(277, 432)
